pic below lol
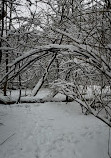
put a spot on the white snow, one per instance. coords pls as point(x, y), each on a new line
point(45, 130)
point(72, 48)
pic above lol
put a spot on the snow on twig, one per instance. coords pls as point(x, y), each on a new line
point(7, 139)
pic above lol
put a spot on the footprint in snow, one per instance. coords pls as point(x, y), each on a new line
point(1, 124)
point(86, 127)
point(77, 154)
point(84, 134)
point(76, 141)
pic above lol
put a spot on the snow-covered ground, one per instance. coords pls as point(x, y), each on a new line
point(45, 130)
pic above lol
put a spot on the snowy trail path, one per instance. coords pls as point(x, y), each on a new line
point(56, 130)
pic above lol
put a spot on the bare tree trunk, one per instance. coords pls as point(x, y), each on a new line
point(19, 98)
point(2, 27)
point(41, 81)
point(0, 52)
point(7, 27)
point(6, 82)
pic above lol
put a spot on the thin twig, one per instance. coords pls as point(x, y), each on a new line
point(7, 139)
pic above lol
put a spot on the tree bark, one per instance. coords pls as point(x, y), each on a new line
point(42, 80)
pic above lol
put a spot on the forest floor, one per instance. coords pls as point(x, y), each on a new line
point(51, 130)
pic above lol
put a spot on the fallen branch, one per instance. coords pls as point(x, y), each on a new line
point(29, 99)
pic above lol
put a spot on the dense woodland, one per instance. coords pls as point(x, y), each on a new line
point(64, 45)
